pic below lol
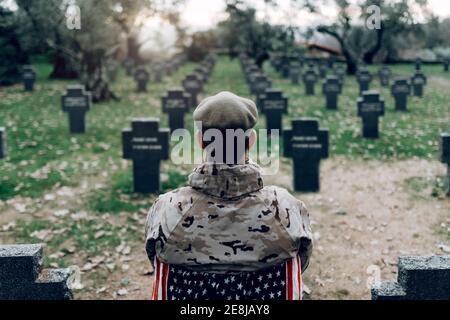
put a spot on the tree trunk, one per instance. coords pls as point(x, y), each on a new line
point(94, 79)
point(369, 56)
point(62, 68)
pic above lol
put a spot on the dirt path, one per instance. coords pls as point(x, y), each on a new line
point(365, 215)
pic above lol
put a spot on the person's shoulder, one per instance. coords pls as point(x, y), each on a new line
point(179, 200)
point(280, 195)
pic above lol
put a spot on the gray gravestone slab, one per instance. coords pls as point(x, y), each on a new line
point(340, 72)
point(129, 67)
point(418, 82)
point(364, 78)
point(323, 70)
point(445, 156)
point(285, 67)
point(2, 143)
point(259, 85)
point(307, 145)
point(370, 109)
point(419, 278)
point(29, 78)
point(273, 104)
point(141, 76)
point(295, 73)
point(400, 90)
point(446, 64)
point(192, 85)
point(310, 79)
point(146, 145)
point(418, 64)
point(176, 104)
point(202, 75)
point(76, 102)
point(22, 277)
point(332, 88)
point(385, 76)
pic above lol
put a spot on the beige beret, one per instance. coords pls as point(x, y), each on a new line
point(226, 111)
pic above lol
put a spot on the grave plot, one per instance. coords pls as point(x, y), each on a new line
point(76, 102)
point(307, 145)
point(142, 77)
point(29, 78)
point(23, 278)
point(418, 82)
point(384, 74)
point(146, 145)
point(400, 90)
point(310, 79)
point(176, 104)
point(331, 89)
point(192, 85)
point(274, 105)
point(370, 109)
point(364, 78)
point(419, 278)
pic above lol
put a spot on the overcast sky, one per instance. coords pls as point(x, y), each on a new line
point(201, 14)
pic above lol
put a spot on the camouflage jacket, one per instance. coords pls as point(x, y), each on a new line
point(227, 221)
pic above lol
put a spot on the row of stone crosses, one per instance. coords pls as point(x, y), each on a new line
point(305, 142)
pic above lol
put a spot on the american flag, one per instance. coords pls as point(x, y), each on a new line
point(283, 282)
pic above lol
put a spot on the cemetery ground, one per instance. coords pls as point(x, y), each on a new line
point(379, 198)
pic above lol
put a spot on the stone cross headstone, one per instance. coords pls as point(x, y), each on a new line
point(176, 104)
point(310, 79)
point(129, 67)
point(323, 69)
point(2, 143)
point(23, 278)
point(141, 76)
point(76, 102)
point(364, 78)
point(419, 278)
point(418, 64)
point(370, 109)
point(274, 105)
point(146, 145)
point(445, 156)
point(385, 75)
point(285, 67)
point(295, 73)
point(332, 88)
point(260, 84)
point(400, 90)
point(340, 72)
point(418, 82)
point(307, 145)
point(192, 85)
point(29, 78)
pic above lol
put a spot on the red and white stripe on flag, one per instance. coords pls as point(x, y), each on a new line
point(160, 285)
point(294, 279)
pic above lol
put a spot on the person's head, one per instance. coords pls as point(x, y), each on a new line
point(225, 125)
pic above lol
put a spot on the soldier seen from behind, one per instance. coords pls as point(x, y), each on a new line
point(227, 236)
